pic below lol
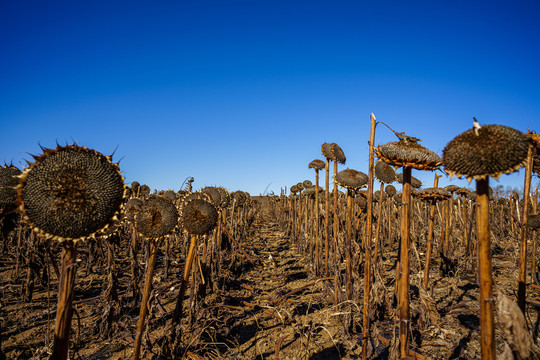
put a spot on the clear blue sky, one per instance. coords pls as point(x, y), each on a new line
point(242, 94)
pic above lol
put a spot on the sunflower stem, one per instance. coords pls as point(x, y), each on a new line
point(487, 331)
point(522, 283)
point(403, 289)
point(367, 242)
point(146, 296)
point(64, 311)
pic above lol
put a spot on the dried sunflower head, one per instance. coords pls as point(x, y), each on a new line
point(132, 207)
point(434, 194)
point(406, 153)
point(300, 186)
point(384, 172)
point(377, 195)
point(306, 184)
point(390, 190)
point(190, 196)
point(361, 201)
point(144, 190)
point(71, 193)
point(294, 189)
point(317, 164)
point(169, 195)
point(337, 153)
point(9, 178)
point(452, 188)
point(225, 197)
point(415, 183)
point(214, 193)
point(199, 217)
point(492, 151)
point(156, 218)
point(535, 138)
point(351, 179)
point(135, 186)
point(239, 197)
point(312, 190)
point(327, 152)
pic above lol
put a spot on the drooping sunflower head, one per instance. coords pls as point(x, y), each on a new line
point(170, 195)
point(415, 183)
point(199, 216)
point(135, 186)
point(132, 207)
point(384, 172)
point(326, 151)
point(406, 153)
point(312, 190)
point(225, 197)
point(239, 197)
point(452, 188)
point(9, 178)
point(71, 193)
point(317, 164)
point(390, 190)
point(338, 153)
point(144, 190)
point(434, 194)
point(214, 194)
point(490, 152)
point(351, 179)
point(156, 218)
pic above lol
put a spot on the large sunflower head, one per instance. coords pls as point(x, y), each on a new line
point(490, 152)
point(71, 193)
